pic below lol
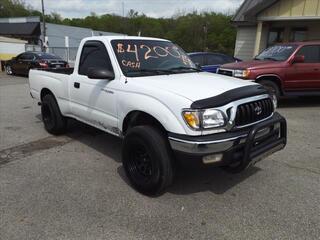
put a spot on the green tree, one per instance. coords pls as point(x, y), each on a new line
point(196, 31)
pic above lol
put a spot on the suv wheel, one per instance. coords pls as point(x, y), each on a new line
point(272, 87)
point(52, 118)
point(147, 160)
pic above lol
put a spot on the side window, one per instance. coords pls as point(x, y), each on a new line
point(23, 56)
point(311, 54)
point(215, 59)
point(29, 56)
point(197, 59)
point(94, 54)
point(19, 56)
point(298, 34)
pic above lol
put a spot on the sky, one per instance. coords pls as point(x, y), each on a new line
point(152, 8)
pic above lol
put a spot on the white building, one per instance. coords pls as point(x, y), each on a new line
point(10, 47)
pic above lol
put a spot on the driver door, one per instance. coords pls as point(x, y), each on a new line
point(306, 75)
point(94, 100)
point(17, 63)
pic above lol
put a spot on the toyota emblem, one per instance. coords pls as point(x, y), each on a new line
point(258, 110)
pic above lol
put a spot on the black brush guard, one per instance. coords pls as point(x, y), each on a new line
point(257, 147)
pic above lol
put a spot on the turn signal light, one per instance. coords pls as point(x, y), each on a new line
point(192, 118)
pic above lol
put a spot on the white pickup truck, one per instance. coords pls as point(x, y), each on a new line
point(148, 92)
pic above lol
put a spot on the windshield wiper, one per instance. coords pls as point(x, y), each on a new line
point(156, 71)
point(185, 68)
point(270, 58)
point(163, 71)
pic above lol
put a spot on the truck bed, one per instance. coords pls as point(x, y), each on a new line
point(67, 71)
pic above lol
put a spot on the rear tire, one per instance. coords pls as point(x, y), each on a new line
point(147, 160)
point(272, 87)
point(52, 118)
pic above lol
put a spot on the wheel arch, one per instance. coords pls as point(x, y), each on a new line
point(46, 91)
point(138, 118)
point(273, 78)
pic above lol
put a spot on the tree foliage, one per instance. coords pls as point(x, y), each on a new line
point(16, 8)
point(205, 31)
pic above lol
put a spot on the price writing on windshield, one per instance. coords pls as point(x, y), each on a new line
point(146, 53)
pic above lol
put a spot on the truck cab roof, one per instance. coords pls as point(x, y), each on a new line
point(124, 37)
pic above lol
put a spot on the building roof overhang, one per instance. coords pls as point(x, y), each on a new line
point(248, 11)
point(27, 29)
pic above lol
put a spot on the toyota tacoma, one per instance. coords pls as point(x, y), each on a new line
point(148, 92)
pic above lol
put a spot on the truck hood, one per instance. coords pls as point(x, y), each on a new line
point(193, 86)
point(251, 64)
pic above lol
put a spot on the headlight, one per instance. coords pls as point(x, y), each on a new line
point(242, 73)
point(205, 119)
point(274, 101)
point(212, 118)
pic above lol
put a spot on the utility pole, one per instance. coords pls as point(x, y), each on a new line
point(44, 27)
point(122, 9)
point(205, 37)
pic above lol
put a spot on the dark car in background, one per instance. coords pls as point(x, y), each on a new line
point(29, 60)
point(210, 62)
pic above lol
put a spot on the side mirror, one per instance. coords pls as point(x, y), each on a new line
point(100, 73)
point(298, 59)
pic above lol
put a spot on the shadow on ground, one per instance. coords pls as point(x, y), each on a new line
point(300, 102)
point(102, 142)
point(190, 178)
point(213, 179)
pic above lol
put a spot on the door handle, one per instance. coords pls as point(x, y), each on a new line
point(316, 69)
point(76, 85)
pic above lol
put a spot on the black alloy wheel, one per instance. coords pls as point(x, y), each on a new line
point(147, 160)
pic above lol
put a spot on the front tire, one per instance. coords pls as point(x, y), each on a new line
point(147, 160)
point(52, 118)
point(8, 70)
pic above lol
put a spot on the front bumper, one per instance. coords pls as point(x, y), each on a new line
point(246, 145)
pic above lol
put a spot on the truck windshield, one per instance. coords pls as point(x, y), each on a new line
point(277, 52)
point(151, 57)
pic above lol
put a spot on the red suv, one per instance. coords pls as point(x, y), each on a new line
point(285, 69)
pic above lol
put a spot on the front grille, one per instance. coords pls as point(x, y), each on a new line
point(251, 112)
point(225, 72)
